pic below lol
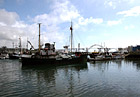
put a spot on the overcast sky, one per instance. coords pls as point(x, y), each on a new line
point(113, 23)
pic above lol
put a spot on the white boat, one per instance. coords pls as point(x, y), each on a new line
point(4, 55)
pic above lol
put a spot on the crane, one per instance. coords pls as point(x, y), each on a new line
point(32, 47)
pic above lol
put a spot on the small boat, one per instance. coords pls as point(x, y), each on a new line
point(14, 55)
point(4, 55)
point(17, 52)
point(118, 55)
point(96, 56)
point(100, 58)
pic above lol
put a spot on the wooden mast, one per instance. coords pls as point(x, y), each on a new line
point(27, 44)
point(39, 38)
point(71, 35)
point(20, 44)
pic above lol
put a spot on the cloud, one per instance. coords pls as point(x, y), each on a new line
point(135, 11)
point(11, 28)
point(132, 1)
point(8, 18)
point(52, 30)
point(2, 24)
point(110, 3)
point(87, 21)
point(128, 1)
point(65, 11)
point(110, 23)
point(61, 12)
point(129, 27)
point(116, 3)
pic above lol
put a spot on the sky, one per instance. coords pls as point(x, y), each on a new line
point(110, 23)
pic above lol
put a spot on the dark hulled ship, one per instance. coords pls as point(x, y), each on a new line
point(49, 57)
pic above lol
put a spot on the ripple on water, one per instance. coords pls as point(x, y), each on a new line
point(98, 80)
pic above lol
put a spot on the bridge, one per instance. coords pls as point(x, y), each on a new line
point(101, 48)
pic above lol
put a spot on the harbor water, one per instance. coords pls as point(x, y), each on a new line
point(117, 78)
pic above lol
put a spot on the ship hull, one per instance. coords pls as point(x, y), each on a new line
point(53, 61)
point(14, 56)
point(133, 56)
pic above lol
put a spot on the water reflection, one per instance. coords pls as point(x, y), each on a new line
point(100, 65)
point(120, 78)
point(116, 77)
point(135, 62)
point(105, 65)
point(59, 80)
point(9, 75)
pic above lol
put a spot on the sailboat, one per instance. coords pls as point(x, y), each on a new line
point(17, 53)
point(49, 57)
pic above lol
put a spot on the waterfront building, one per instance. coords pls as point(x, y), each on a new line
point(134, 48)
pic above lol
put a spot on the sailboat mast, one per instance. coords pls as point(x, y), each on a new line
point(13, 44)
point(71, 36)
point(20, 44)
point(39, 38)
point(27, 44)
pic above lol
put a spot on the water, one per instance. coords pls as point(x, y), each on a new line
point(119, 78)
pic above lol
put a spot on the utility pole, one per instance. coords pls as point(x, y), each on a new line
point(39, 37)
